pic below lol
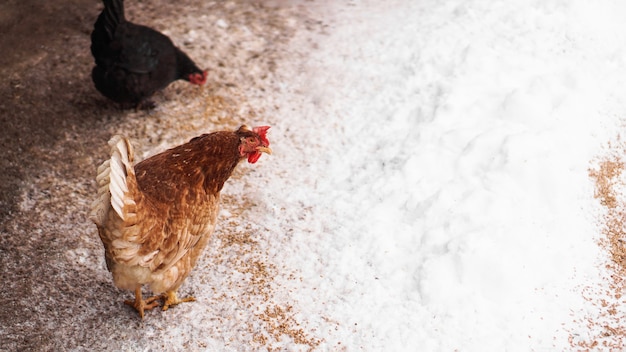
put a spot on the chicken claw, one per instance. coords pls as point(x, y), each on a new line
point(140, 304)
point(171, 299)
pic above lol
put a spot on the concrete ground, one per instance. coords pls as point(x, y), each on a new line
point(57, 294)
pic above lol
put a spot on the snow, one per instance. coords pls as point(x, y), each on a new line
point(433, 160)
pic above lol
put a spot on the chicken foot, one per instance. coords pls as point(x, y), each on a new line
point(171, 299)
point(140, 304)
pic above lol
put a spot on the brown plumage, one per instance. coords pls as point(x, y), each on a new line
point(155, 218)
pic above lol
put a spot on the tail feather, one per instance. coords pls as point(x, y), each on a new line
point(113, 178)
point(112, 15)
point(98, 210)
point(115, 210)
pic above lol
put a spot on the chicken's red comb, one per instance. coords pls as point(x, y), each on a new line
point(262, 132)
point(198, 78)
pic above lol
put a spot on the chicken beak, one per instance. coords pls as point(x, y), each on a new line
point(264, 150)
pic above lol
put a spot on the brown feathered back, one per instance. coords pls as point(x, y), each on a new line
point(204, 163)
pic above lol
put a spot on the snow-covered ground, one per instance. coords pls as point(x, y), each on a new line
point(433, 156)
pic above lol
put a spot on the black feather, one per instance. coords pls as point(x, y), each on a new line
point(133, 61)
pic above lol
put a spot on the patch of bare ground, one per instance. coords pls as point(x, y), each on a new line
point(605, 324)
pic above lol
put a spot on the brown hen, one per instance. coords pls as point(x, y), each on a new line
point(154, 219)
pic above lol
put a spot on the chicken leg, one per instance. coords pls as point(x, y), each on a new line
point(140, 304)
point(171, 299)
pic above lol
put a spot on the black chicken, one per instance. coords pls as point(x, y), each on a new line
point(134, 61)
